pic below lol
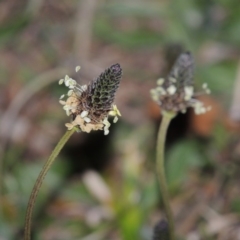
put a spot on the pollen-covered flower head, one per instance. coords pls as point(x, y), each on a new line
point(90, 105)
point(176, 93)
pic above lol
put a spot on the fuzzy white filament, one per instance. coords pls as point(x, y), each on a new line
point(77, 68)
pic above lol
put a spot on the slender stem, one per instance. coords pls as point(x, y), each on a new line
point(38, 183)
point(167, 116)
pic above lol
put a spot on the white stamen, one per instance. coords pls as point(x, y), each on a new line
point(208, 91)
point(69, 82)
point(106, 122)
point(66, 80)
point(66, 83)
point(106, 132)
point(62, 97)
point(83, 114)
point(66, 107)
point(62, 102)
point(199, 108)
point(188, 92)
point(115, 119)
point(114, 112)
point(160, 81)
point(106, 128)
point(70, 93)
point(68, 112)
point(171, 89)
point(61, 81)
point(87, 120)
point(72, 83)
point(77, 68)
point(204, 86)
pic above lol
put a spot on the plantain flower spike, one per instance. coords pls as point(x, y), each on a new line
point(91, 105)
point(176, 93)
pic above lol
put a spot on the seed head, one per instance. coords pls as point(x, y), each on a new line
point(90, 105)
point(160, 231)
point(176, 92)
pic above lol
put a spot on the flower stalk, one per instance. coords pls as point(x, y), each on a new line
point(166, 119)
point(38, 183)
point(174, 94)
point(89, 107)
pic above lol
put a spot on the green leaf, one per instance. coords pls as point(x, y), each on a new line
point(180, 160)
point(220, 77)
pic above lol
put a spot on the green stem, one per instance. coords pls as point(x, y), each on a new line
point(38, 183)
point(166, 119)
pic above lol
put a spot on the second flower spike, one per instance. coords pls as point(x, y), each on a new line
point(176, 93)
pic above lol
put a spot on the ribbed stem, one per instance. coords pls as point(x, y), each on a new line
point(166, 119)
point(38, 183)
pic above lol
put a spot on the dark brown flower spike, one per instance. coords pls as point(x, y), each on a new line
point(90, 105)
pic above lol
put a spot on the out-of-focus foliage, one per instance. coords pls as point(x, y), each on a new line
point(183, 157)
point(202, 169)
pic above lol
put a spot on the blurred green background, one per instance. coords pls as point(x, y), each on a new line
point(104, 187)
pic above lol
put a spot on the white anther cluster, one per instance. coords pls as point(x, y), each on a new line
point(106, 126)
point(199, 108)
point(77, 68)
point(206, 89)
point(115, 113)
point(70, 105)
point(172, 98)
point(160, 90)
point(69, 82)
